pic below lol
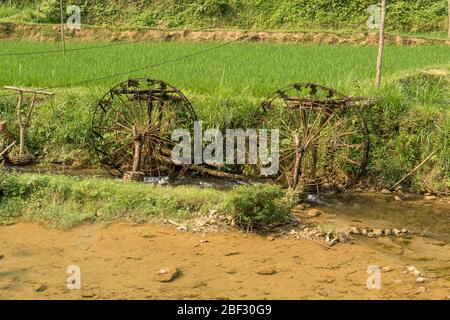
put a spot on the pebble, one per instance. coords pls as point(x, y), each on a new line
point(378, 232)
point(88, 295)
point(270, 238)
point(397, 198)
point(385, 191)
point(396, 232)
point(266, 271)
point(388, 232)
point(420, 280)
point(41, 288)
point(416, 273)
point(411, 269)
point(430, 197)
point(420, 290)
point(314, 213)
point(404, 230)
point(356, 230)
point(387, 269)
point(167, 274)
point(204, 241)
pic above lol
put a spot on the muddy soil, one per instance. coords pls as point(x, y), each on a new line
point(17, 31)
point(120, 261)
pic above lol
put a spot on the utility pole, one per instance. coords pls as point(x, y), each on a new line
point(381, 44)
point(449, 19)
point(63, 40)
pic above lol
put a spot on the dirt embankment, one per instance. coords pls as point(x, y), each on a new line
point(123, 261)
point(15, 31)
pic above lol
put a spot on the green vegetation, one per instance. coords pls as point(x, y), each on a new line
point(255, 207)
point(404, 15)
point(227, 85)
point(64, 202)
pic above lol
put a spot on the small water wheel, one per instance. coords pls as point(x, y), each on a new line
point(324, 141)
point(132, 127)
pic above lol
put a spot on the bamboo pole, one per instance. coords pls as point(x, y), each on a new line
point(63, 40)
point(381, 44)
point(449, 19)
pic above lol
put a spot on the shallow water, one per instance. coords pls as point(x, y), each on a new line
point(428, 218)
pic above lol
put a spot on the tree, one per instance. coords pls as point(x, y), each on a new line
point(381, 43)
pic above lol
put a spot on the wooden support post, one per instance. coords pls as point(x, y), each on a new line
point(381, 44)
point(63, 40)
point(24, 116)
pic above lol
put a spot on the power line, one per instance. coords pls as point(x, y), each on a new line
point(7, 54)
point(136, 70)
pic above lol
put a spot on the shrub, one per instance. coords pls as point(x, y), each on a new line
point(254, 207)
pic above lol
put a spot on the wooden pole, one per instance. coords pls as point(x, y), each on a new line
point(63, 40)
point(449, 19)
point(381, 44)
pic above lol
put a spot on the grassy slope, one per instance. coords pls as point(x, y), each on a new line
point(404, 15)
point(65, 202)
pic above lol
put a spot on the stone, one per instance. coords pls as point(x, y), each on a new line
point(387, 269)
point(388, 232)
point(167, 274)
point(404, 230)
point(355, 230)
point(378, 232)
point(88, 294)
point(364, 232)
point(420, 280)
point(396, 232)
point(313, 213)
point(231, 253)
point(270, 238)
point(420, 290)
point(385, 191)
point(411, 269)
point(204, 241)
point(41, 288)
point(397, 198)
point(416, 273)
point(266, 271)
point(430, 197)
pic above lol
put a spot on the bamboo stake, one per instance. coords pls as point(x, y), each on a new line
point(381, 44)
point(63, 40)
point(413, 170)
point(7, 149)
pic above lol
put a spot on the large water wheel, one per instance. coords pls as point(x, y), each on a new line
point(324, 141)
point(132, 127)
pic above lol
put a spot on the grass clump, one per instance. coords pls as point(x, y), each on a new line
point(253, 207)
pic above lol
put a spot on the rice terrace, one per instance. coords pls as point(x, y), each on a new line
point(225, 149)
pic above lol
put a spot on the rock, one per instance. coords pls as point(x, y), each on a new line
point(204, 241)
point(397, 198)
point(420, 290)
point(88, 294)
point(313, 213)
point(355, 230)
point(365, 232)
point(420, 280)
point(371, 235)
point(387, 269)
point(231, 253)
point(378, 232)
point(266, 271)
point(270, 238)
point(167, 274)
point(396, 232)
point(404, 230)
point(411, 269)
point(388, 232)
point(40, 288)
point(430, 197)
point(385, 191)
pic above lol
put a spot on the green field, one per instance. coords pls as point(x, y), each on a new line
point(257, 69)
